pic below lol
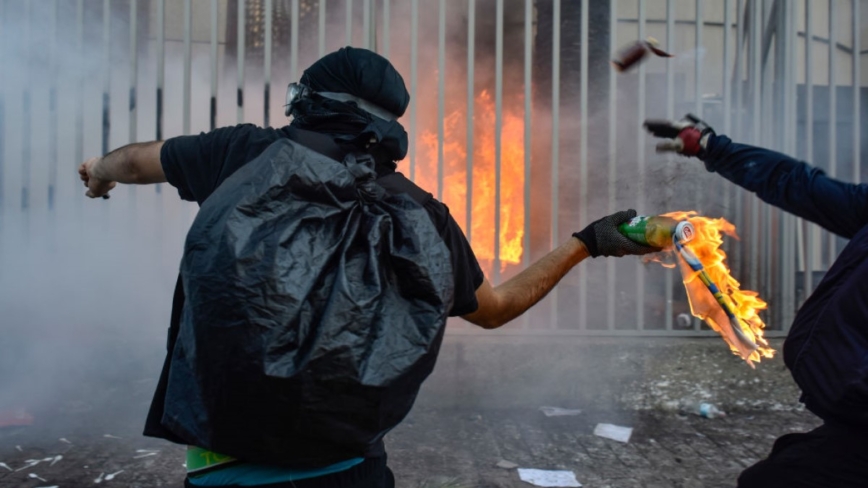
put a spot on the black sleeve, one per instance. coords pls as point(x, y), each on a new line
point(196, 165)
point(465, 267)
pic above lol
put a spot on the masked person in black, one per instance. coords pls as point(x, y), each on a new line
point(346, 103)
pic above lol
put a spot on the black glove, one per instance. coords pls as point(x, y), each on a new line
point(602, 237)
point(687, 136)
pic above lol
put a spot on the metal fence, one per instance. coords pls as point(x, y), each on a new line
point(517, 121)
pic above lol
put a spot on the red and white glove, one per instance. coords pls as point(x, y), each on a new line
point(687, 136)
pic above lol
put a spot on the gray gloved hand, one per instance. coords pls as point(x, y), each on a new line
point(687, 136)
point(602, 237)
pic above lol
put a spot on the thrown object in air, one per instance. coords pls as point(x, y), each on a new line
point(635, 52)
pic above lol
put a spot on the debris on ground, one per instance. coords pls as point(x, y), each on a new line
point(140, 456)
point(64, 440)
point(100, 478)
point(110, 477)
point(614, 432)
point(19, 448)
point(503, 463)
point(559, 412)
point(542, 477)
point(111, 436)
point(36, 477)
point(55, 460)
point(4, 465)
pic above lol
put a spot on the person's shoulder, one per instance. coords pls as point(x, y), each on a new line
point(396, 182)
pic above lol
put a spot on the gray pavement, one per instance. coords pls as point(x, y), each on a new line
point(448, 448)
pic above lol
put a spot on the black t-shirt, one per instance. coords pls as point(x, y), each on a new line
point(196, 165)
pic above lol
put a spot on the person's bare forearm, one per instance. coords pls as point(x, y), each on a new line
point(524, 290)
point(133, 163)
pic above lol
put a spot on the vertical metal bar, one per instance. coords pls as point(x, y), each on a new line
point(134, 69)
point(387, 34)
point(471, 68)
point(366, 24)
point(857, 72)
point(106, 54)
point(727, 91)
point(833, 114)
point(188, 61)
point(498, 132)
point(810, 230)
point(556, 130)
point(640, 166)
point(670, 160)
point(794, 223)
point(4, 39)
point(414, 50)
point(769, 136)
point(583, 157)
point(528, 94)
point(213, 105)
point(697, 75)
point(321, 28)
point(441, 93)
point(161, 66)
point(52, 107)
point(241, 33)
point(79, 104)
point(737, 83)
point(26, 109)
point(266, 89)
point(613, 153)
point(293, 42)
point(349, 22)
point(756, 78)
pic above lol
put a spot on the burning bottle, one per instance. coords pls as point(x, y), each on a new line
point(633, 53)
point(657, 231)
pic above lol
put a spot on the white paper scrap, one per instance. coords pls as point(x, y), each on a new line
point(614, 432)
point(112, 476)
point(558, 411)
point(541, 477)
point(140, 456)
point(147, 450)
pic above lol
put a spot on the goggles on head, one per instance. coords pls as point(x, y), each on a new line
point(296, 92)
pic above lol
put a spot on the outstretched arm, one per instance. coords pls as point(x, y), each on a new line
point(776, 178)
point(792, 185)
point(498, 305)
point(137, 163)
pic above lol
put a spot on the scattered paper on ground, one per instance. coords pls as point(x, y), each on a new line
point(558, 411)
point(503, 463)
point(541, 477)
point(614, 432)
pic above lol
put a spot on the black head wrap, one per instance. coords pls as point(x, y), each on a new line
point(366, 75)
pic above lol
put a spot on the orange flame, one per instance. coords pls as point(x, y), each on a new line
point(483, 197)
point(745, 304)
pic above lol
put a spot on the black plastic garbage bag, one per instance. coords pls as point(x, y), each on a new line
point(316, 305)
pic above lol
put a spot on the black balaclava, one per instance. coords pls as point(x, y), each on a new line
point(366, 75)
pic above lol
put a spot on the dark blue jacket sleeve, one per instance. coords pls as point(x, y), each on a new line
point(791, 185)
